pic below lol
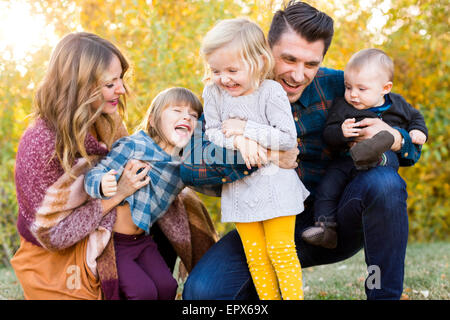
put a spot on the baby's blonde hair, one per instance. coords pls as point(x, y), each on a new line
point(369, 57)
point(250, 43)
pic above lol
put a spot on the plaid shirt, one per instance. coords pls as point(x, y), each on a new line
point(206, 164)
point(152, 201)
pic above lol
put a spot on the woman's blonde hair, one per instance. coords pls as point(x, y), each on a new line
point(73, 81)
point(249, 41)
point(171, 96)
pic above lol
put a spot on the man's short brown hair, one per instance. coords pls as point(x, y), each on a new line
point(305, 20)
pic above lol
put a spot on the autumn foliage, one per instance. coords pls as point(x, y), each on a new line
point(161, 38)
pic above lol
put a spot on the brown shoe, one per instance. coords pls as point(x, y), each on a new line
point(367, 153)
point(323, 234)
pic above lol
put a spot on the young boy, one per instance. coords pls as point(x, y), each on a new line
point(368, 82)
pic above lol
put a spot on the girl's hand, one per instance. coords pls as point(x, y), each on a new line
point(349, 129)
point(108, 184)
point(130, 181)
point(417, 136)
point(233, 127)
point(252, 153)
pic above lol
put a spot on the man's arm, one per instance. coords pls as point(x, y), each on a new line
point(206, 164)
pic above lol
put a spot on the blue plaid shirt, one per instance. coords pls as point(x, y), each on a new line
point(152, 201)
point(210, 166)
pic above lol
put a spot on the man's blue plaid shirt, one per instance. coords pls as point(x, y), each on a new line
point(207, 165)
point(152, 201)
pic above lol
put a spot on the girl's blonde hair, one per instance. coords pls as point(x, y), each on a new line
point(171, 96)
point(73, 81)
point(249, 41)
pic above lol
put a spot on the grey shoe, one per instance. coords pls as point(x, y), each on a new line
point(322, 234)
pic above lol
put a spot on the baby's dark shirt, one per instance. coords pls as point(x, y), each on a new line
point(400, 114)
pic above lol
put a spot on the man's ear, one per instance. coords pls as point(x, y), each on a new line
point(387, 87)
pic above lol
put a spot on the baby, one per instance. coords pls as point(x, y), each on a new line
point(368, 80)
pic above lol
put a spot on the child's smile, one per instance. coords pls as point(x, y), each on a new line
point(229, 71)
point(177, 124)
point(183, 130)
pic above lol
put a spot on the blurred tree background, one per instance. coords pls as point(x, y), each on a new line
point(161, 38)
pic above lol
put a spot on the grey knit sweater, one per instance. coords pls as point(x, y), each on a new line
point(270, 191)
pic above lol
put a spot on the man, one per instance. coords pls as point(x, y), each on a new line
point(372, 210)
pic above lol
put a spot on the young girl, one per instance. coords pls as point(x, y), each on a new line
point(245, 111)
point(168, 126)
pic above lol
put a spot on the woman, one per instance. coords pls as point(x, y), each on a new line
point(66, 250)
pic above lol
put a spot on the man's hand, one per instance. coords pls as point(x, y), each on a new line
point(284, 159)
point(252, 153)
point(233, 127)
point(371, 126)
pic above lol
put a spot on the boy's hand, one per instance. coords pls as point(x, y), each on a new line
point(233, 127)
point(417, 136)
point(252, 153)
point(349, 128)
point(109, 184)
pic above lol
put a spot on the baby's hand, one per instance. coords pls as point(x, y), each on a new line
point(417, 136)
point(233, 127)
point(348, 128)
point(109, 184)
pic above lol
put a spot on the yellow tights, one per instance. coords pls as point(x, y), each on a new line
point(272, 259)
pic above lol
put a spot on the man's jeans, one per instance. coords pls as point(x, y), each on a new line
point(371, 214)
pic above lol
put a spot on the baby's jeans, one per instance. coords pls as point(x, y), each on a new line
point(143, 273)
point(337, 177)
point(272, 258)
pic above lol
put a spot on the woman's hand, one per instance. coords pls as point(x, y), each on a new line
point(130, 180)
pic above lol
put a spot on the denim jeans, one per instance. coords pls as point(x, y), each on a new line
point(338, 175)
point(371, 215)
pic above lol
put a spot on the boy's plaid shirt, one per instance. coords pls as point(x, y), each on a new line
point(209, 166)
point(152, 201)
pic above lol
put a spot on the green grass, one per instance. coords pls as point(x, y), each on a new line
point(9, 285)
point(427, 276)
